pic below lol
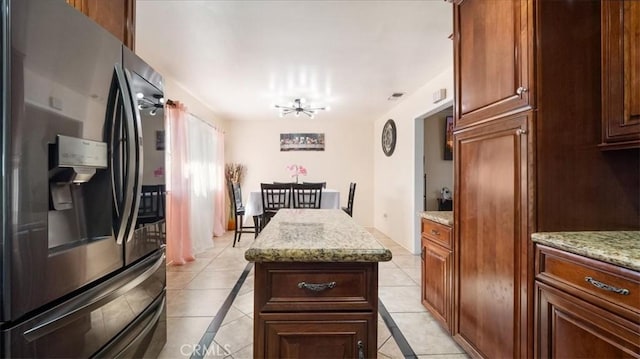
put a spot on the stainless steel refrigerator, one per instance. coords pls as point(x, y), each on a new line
point(82, 189)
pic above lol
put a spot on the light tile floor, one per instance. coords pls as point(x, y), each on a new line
point(197, 290)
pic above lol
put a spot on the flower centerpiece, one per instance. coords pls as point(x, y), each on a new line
point(297, 170)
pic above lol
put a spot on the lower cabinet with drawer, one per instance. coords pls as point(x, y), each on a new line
point(437, 271)
point(585, 308)
point(315, 310)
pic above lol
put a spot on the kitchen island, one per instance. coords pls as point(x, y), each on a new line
point(316, 286)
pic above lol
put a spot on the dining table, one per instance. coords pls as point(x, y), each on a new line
point(253, 207)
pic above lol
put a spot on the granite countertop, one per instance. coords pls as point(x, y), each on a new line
point(442, 217)
point(621, 248)
point(315, 235)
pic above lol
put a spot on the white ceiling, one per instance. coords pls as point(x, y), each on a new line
point(241, 57)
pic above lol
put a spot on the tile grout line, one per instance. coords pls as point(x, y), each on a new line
point(396, 333)
point(212, 329)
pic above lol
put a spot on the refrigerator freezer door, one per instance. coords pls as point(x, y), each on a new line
point(131, 302)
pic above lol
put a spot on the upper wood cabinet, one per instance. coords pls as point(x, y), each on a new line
point(117, 16)
point(492, 59)
point(620, 74)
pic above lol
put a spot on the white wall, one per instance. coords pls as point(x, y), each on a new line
point(439, 171)
point(347, 157)
point(397, 178)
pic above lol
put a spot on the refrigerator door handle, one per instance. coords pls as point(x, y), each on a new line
point(138, 145)
point(129, 207)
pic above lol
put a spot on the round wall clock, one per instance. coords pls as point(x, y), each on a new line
point(389, 137)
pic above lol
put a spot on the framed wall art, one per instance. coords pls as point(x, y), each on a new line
point(448, 139)
point(389, 137)
point(302, 142)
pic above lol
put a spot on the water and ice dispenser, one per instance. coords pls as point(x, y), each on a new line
point(79, 192)
point(73, 161)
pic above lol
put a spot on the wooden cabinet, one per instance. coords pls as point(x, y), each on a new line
point(313, 335)
point(530, 164)
point(491, 242)
point(579, 313)
point(117, 16)
point(491, 59)
point(323, 310)
point(620, 74)
point(437, 271)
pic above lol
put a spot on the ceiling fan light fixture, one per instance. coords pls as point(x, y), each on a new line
point(298, 106)
point(152, 105)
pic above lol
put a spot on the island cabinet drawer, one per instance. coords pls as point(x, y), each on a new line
point(287, 287)
point(612, 287)
point(437, 232)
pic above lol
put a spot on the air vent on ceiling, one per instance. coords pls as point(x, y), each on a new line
point(395, 96)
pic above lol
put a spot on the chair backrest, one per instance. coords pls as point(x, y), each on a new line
point(352, 192)
point(324, 184)
point(152, 201)
point(307, 195)
point(235, 193)
point(275, 196)
point(284, 183)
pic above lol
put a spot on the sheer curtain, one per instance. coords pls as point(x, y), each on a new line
point(179, 249)
point(195, 184)
point(205, 172)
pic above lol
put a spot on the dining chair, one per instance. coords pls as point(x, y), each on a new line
point(152, 203)
point(352, 191)
point(324, 184)
point(274, 197)
point(307, 195)
point(235, 194)
point(284, 183)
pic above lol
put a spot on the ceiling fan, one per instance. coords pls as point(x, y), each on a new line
point(297, 107)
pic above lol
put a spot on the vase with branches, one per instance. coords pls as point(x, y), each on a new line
point(233, 173)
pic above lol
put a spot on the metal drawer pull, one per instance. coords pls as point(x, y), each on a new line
point(316, 287)
point(360, 349)
point(433, 231)
point(607, 287)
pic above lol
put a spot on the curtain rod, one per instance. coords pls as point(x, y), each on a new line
point(172, 103)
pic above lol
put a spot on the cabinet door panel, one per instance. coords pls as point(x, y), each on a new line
point(436, 287)
point(568, 327)
point(320, 336)
point(621, 72)
point(491, 244)
point(117, 16)
point(492, 42)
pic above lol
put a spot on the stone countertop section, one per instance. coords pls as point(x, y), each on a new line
point(442, 217)
point(621, 248)
point(315, 235)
